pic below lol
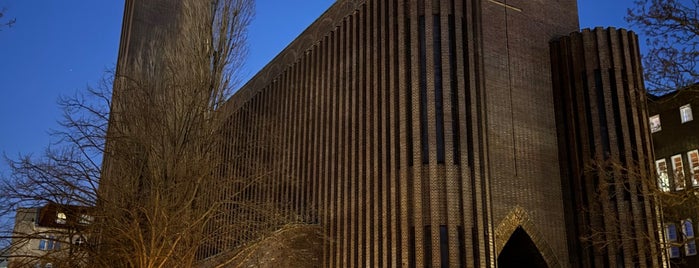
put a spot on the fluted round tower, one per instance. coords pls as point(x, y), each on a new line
point(606, 154)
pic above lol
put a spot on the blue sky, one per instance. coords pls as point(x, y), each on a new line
point(59, 47)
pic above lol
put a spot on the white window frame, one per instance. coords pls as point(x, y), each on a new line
point(686, 113)
point(663, 180)
point(693, 159)
point(678, 172)
point(655, 124)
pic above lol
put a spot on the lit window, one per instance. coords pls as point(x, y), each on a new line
point(663, 181)
point(678, 172)
point(655, 123)
point(693, 157)
point(61, 218)
point(686, 113)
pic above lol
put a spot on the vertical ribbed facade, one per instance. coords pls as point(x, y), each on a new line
point(423, 133)
point(383, 115)
point(380, 120)
point(605, 149)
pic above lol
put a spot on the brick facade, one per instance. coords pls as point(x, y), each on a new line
point(606, 153)
point(424, 133)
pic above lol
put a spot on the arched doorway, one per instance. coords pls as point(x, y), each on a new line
point(520, 251)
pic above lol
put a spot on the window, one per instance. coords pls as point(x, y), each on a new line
point(678, 171)
point(693, 157)
point(671, 232)
point(80, 240)
point(663, 181)
point(49, 243)
point(690, 247)
point(686, 113)
point(687, 228)
point(671, 235)
point(61, 218)
point(655, 123)
point(86, 219)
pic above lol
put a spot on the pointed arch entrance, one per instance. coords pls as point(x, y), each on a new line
point(519, 244)
point(520, 251)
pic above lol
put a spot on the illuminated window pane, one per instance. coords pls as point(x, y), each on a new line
point(655, 123)
point(61, 218)
point(686, 113)
point(663, 180)
point(693, 157)
point(678, 172)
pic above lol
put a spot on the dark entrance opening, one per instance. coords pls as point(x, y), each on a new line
point(520, 252)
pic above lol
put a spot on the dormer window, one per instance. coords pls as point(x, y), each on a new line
point(686, 113)
point(61, 218)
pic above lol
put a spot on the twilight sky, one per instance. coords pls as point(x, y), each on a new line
point(58, 47)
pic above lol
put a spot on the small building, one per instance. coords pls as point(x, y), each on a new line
point(42, 236)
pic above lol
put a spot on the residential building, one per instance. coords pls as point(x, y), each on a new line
point(673, 120)
point(43, 236)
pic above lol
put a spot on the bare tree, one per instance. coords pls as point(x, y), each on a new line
point(612, 180)
point(671, 27)
point(162, 195)
point(67, 175)
point(618, 191)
